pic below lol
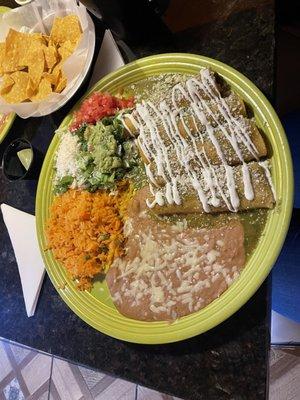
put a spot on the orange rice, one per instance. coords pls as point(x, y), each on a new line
point(85, 231)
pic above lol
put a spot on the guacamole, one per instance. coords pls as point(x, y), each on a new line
point(105, 154)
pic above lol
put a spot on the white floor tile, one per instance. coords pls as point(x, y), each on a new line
point(5, 367)
point(64, 381)
point(37, 372)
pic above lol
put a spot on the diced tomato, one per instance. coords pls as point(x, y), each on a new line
point(97, 106)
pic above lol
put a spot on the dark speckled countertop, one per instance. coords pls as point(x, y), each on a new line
point(228, 362)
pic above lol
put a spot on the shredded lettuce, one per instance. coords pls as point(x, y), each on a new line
point(63, 184)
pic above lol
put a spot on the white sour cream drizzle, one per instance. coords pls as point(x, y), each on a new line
point(195, 166)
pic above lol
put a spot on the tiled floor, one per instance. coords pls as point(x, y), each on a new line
point(26, 374)
point(29, 375)
point(284, 373)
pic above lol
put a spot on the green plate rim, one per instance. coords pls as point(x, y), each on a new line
point(6, 127)
point(120, 327)
point(11, 117)
point(4, 9)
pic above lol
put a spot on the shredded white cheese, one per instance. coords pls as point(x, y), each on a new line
point(195, 267)
point(66, 163)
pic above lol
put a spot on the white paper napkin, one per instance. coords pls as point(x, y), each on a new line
point(109, 58)
point(284, 330)
point(22, 233)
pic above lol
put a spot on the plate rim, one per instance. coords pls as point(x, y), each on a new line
point(233, 306)
point(6, 127)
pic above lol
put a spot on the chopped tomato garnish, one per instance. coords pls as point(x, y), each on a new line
point(97, 106)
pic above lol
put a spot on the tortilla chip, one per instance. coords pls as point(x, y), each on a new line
point(64, 52)
point(46, 39)
point(43, 91)
point(51, 56)
point(56, 72)
point(16, 47)
point(31, 63)
point(2, 55)
point(66, 28)
point(68, 45)
point(2, 51)
point(36, 65)
point(18, 92)
point(51, 42)
point(31, 88)
point(62, 83)
point(50, 78)
point(19, 49)
point(38, 37)
point(7, 83)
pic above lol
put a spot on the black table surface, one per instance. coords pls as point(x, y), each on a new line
point(228, 362)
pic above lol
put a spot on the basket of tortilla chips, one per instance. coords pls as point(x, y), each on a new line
point(46, 49)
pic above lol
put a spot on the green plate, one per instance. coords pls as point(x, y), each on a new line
point(4, 129)
point(96, 308)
